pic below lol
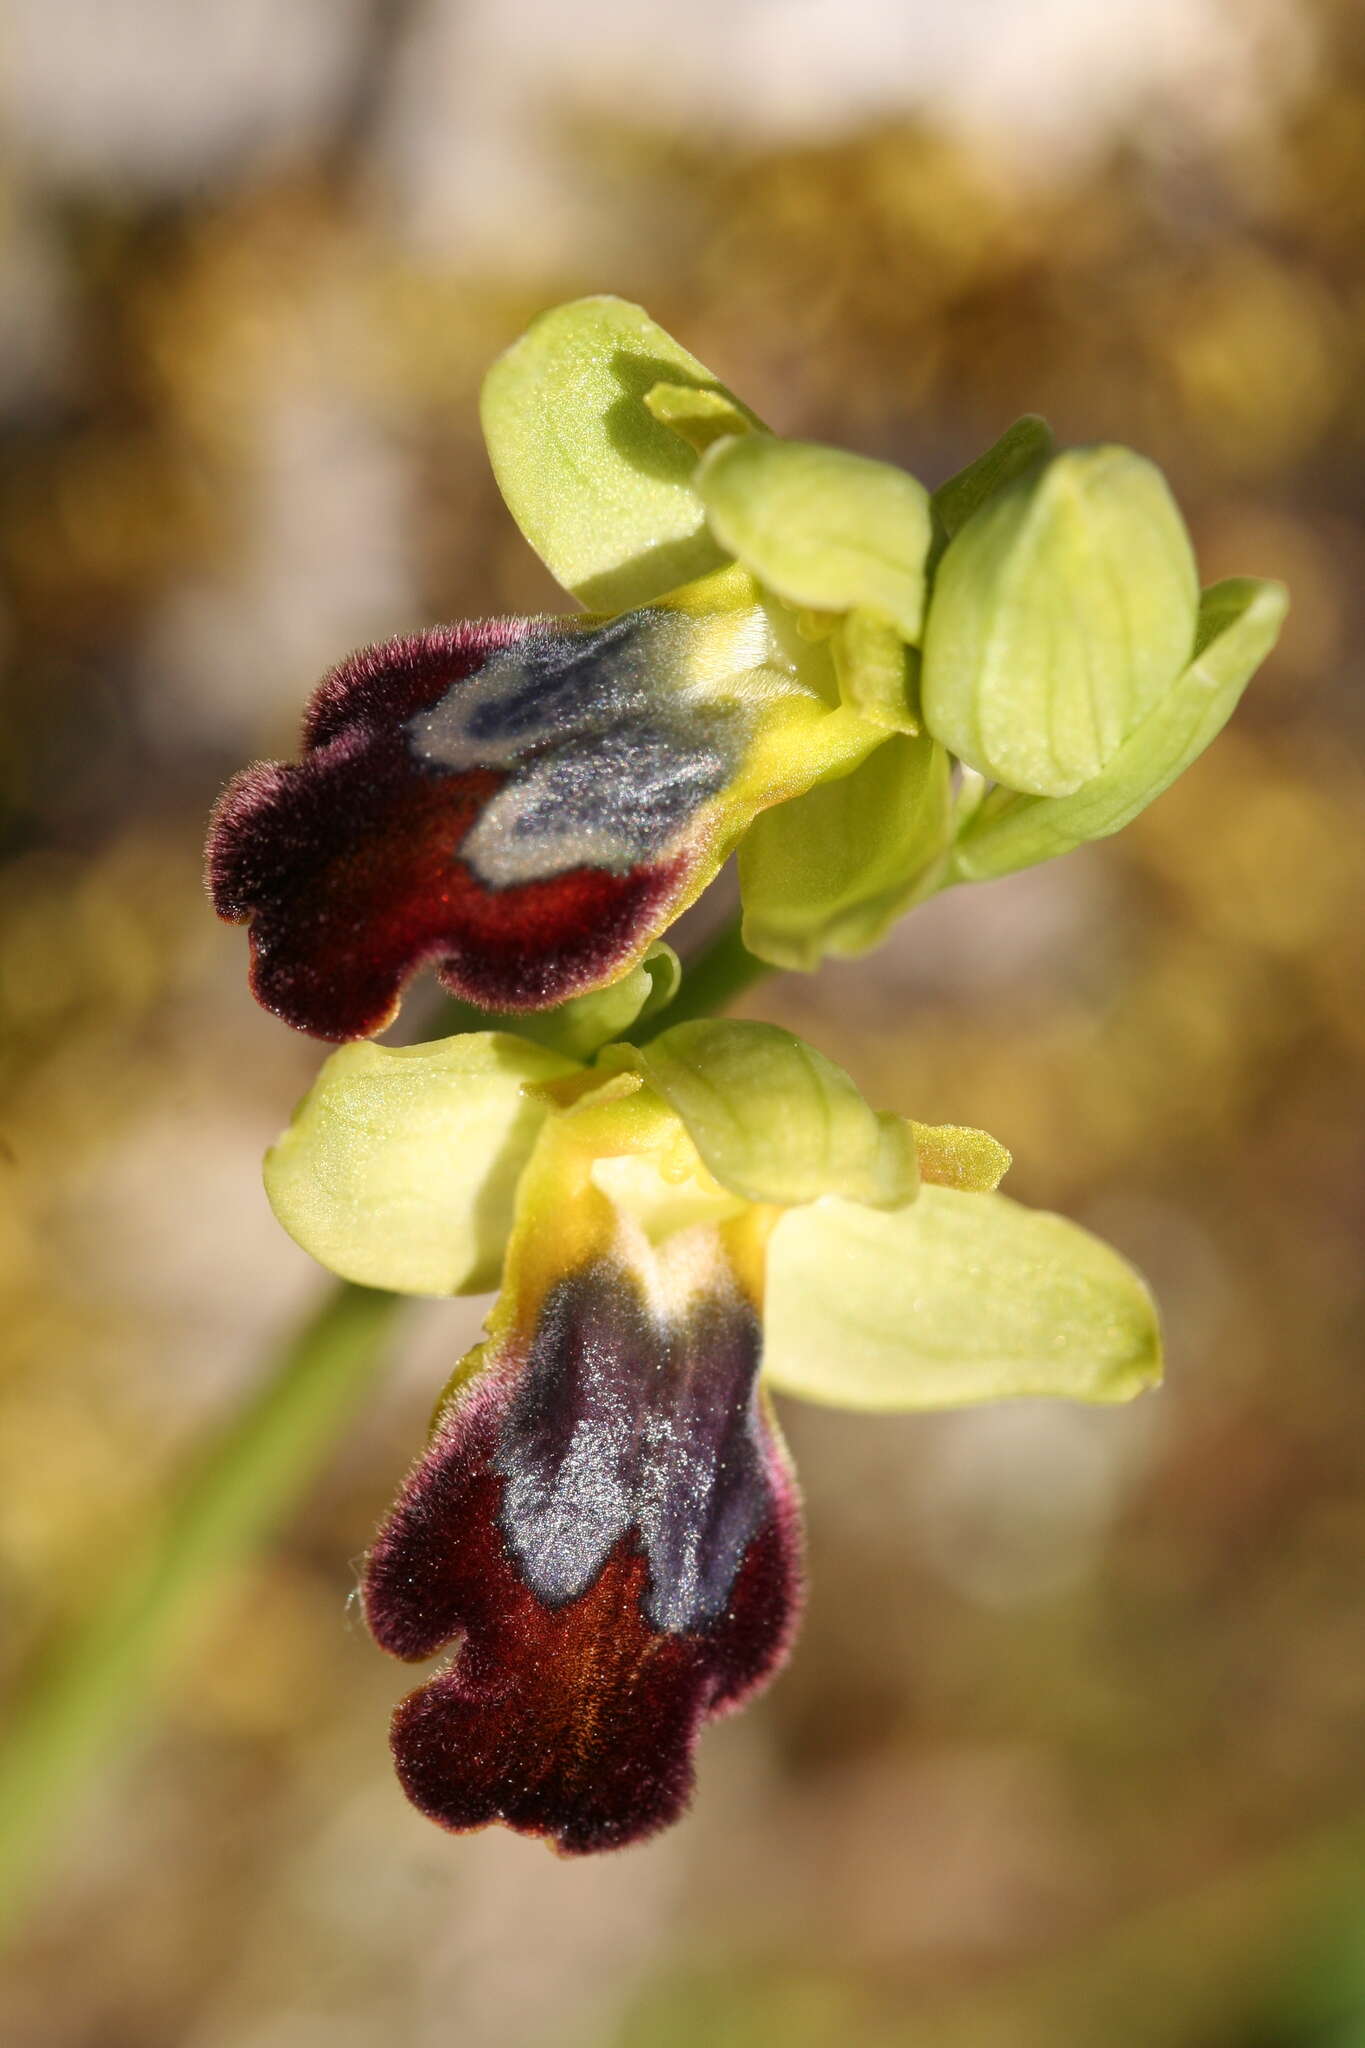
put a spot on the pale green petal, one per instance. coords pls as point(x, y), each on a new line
point(699, 414)
point(773, 1119)
point(1063, 610)
point(1028, 441)
point(400, 1167)
point(878, 672)
point(601, 488)
point(956, 1299)
point(957, 1156)
point(830, 872)
point(664, 969)
point(579, 1026)
point(1239, 622)
point(820, 527)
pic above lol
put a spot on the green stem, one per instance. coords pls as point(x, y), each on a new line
point(82, 1699)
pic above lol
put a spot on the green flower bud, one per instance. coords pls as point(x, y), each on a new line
point(1239, 622)
point(1063, 610)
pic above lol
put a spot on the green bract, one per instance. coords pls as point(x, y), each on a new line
point(1239, 622)
point(823, 529)
point(401, 1165)
point(1062, 610)
point(958, 1298)
point(775, 1120)
point(831, 871)
point(600, 486)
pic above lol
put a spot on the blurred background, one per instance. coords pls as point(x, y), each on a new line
point(1073, 1746)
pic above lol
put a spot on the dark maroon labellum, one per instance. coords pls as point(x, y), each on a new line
point(509, 800)
point(608, 1523)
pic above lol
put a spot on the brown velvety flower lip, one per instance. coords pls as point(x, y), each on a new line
point(605, 1519)
point(508, 800)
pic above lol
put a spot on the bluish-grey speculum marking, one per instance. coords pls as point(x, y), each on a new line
point(574, 680)
point(604, 766)
point(622, 1421)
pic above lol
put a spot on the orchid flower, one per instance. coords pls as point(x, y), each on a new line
point(869, 693)
point(787, 649)
point(605, 1519)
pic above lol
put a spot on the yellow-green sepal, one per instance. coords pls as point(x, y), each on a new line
point(1062, 611)
point(601, 487)
point(826, 530)
point(958, 1298)
point(1239, 623)
point(400, 1167)
point(773, 1119)
point(831, 871)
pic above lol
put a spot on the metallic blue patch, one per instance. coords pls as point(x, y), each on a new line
point(566, 680)
point(605, 765)
point(622, 1421)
